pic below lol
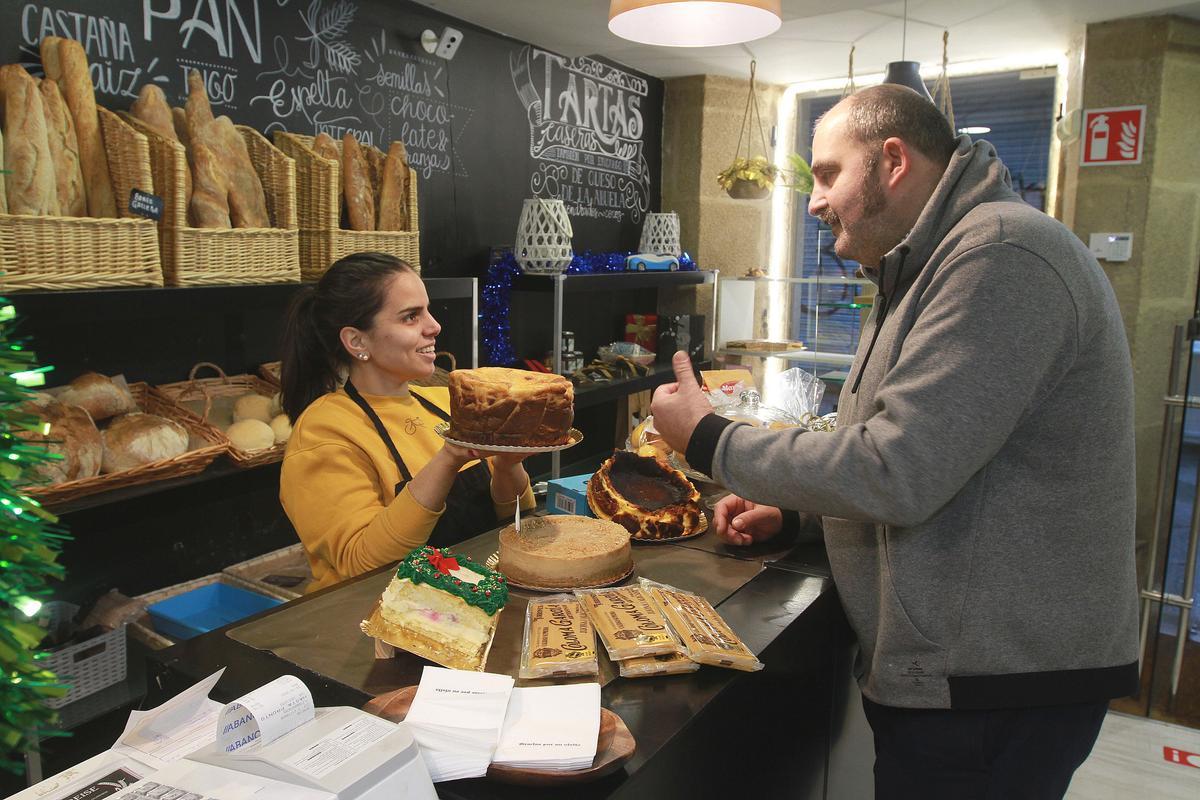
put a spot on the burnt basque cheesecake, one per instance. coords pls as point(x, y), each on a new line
point(646, 497)
point(565, 552)
point(510, 407)
point(442, 607)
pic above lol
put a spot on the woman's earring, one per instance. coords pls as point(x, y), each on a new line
point(363, 356)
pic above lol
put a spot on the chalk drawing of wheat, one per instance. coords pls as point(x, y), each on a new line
point(1127, 144)
point(326, 30)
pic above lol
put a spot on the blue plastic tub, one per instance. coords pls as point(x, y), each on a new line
point(206, 608)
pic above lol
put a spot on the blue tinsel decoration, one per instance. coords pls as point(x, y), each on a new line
point(494, 332)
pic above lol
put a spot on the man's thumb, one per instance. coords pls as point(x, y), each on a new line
point(683, 371)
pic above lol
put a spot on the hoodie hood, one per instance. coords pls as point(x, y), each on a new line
point(974, 175)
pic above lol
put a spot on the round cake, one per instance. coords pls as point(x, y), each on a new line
point(646, 497)
point(510, 407)
point(563, 552)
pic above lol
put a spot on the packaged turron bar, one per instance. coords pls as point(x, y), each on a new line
point(645, 666)
point(706, 637)
point(628, 621)
point(559, 640)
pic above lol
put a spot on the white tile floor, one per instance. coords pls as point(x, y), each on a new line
point(1128, 762)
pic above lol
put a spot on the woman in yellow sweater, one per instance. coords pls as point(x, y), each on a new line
point(365, 479)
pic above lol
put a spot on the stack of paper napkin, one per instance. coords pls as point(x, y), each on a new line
point(456, 718)
point(551, 727)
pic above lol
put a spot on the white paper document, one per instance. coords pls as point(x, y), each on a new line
point(456, 717)
point(551, 727)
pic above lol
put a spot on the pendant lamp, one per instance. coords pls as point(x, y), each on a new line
point(906, 73)
point(693, 23)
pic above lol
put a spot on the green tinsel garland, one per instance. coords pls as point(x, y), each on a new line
point(30, 539)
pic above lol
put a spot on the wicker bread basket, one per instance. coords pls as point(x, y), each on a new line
point(88, 252)
point(195, 397)
point(271, 373)
point(207, 444)
point(440, 377)
point(206, 256)
point(318, 206)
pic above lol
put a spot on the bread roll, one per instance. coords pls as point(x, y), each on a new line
point(76, 86)
point(100, 396)
point(252, 406)
point(356, 185)
point(281, 426)
point(64, 152)
point(135, 439)
point(251, 434)
point(30, 183)
point(71, 434)
point(247, 202)
point(51, 64)
point(393, 193)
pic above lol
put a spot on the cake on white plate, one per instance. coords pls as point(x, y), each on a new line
point(442, 607)
point(565, 552)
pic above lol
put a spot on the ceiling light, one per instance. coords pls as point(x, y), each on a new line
point(693, 23)
point(975, 130)
point(906, 73)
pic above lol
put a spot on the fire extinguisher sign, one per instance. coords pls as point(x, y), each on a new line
point(1113, 136)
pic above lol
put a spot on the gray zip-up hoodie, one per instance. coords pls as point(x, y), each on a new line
point(978, 495)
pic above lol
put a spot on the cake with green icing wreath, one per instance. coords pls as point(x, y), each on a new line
point(440, 606)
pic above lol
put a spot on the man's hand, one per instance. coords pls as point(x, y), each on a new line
point(678, 407)
point(741, 522)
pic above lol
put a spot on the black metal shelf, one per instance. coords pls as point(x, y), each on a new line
point(217, 470)
point(590, 394)
point(611, 281)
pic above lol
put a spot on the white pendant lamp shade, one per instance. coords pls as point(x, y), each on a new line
point(693, 23)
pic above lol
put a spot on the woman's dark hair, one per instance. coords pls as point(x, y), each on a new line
point(349, 294)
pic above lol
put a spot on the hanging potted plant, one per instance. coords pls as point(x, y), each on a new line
point(752, 177)
point(755, 178)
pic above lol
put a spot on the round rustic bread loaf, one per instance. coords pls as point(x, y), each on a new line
point(100, 396)
point(71, 434)
point(136, 439)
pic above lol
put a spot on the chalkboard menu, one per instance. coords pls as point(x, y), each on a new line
point(501, 121)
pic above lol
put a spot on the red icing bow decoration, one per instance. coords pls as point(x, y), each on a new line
point(442, 563)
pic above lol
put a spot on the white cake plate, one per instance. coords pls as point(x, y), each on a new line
point(574, 437)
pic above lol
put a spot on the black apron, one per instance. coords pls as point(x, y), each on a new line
point(469, 508)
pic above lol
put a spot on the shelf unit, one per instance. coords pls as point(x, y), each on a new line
point(562, 285)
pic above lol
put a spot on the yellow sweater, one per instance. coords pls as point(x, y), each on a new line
point(338, 480)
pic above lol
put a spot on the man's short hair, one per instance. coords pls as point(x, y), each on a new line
point(887, 110)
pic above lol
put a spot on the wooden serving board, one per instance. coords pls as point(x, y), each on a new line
point(614, 747)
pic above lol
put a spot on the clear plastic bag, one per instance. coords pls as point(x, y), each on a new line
point(706, 637)
point(646, 666)
point(799, 393)
point(629, 622)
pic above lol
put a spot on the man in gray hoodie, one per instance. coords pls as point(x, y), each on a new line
point(977, 497)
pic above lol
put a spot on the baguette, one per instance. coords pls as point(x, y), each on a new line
point(30, 183)
point(356, 185)
point(375, 160)
point(179, 122)
point(324, 146)
point(3, 192)
point(76, 86)
point(51, 64)
point(209, 206)
point(64, 152)
point(393, 193)
point(247, 201)
point(152, 109)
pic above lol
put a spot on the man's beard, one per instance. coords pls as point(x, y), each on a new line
point(872, 203)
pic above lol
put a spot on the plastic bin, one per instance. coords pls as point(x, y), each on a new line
point(206, 608)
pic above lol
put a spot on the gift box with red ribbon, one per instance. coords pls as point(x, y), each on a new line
point(642, 329)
